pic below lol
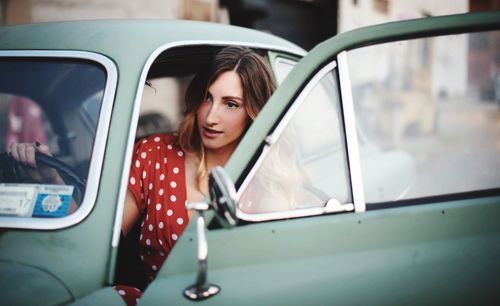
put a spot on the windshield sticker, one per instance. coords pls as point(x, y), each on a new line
point(26, 200)
point(17, 199)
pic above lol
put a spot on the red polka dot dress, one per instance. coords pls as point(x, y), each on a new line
point(157, 181)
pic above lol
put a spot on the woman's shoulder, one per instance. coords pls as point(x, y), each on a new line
point(169, 139)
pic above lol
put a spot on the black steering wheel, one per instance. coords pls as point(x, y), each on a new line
point(9, 172)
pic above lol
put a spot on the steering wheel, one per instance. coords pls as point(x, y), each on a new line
point(9, 172)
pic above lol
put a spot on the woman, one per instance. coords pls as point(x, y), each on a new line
point(169, 170)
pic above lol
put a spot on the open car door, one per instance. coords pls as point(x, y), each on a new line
point(368, 178)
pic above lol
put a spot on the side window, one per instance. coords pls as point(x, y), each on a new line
point(429, 111)
point(283, 66)
point(306, 166)
point(55, 102)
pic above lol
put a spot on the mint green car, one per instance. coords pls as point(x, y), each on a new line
point(371, 176)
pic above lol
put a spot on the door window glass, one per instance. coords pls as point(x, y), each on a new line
point(56, 103)
point(429, 109)
point(307, 165)
point(283, 66)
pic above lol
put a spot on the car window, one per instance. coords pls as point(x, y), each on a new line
point(282, 67)
point(55, 102)
point(307, 165)
point(436, 102)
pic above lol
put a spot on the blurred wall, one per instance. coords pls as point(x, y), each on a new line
point(358, 13)
point(32, 11)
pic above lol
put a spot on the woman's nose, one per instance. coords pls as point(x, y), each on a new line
point(212, 114)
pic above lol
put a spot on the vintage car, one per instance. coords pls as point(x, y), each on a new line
point(371, 176)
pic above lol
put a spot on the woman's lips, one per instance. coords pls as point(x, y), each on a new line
point(210, 133)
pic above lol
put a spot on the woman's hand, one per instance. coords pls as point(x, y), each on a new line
point(24, 153)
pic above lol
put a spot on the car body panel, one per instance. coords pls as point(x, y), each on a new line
point(348, 258)
point(36, 282)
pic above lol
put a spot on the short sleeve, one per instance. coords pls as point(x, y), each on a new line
point(138, 172)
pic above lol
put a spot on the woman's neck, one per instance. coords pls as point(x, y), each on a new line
point(216, 158)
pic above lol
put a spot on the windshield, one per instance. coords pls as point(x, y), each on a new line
point(53, 104)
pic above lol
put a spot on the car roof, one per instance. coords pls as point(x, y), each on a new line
point(111, 37)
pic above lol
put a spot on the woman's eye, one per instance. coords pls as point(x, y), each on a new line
point(208, 98)
point(231, 104)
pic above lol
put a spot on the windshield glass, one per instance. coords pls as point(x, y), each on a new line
point(49, 111)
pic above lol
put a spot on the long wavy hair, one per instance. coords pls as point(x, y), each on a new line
point(258, 85)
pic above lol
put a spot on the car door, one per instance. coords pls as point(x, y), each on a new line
point(367, 178)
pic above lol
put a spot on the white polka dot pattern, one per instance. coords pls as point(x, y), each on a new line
point(129, 294)
point(157, 177)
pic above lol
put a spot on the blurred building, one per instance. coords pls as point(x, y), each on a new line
point(305, 22)
point(32, 11)
point(358, 13)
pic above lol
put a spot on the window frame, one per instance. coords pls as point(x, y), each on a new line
point(138, 99)
point(431, 198)
point(98, 149)
point(347, 119)
point(344, 42)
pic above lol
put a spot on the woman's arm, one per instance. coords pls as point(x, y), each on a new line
point(130, 213)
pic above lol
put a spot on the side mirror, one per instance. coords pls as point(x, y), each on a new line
point(223, 201)
point(222, 196)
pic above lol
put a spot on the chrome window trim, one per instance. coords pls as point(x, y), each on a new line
point(297, 213)
point(269, 141)
point(137, 104)
point(97, 157)
point(354, 161)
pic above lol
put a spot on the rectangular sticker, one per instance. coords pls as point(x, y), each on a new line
point(17, 199)
point(53, 201)
point(26, 200)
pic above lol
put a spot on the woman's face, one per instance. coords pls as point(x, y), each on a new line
point(222, 116)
